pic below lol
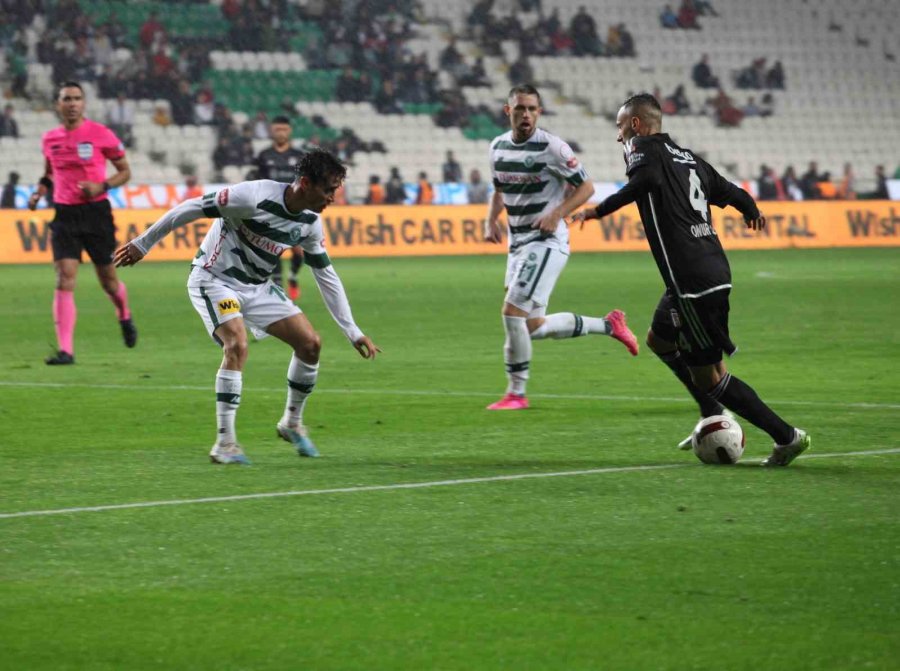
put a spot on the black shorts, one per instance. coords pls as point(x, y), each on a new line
point(89, 226)
point(699, 326)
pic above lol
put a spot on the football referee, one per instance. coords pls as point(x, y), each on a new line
point(75, 156)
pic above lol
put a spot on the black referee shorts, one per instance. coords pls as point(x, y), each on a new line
point(89, 226)
point(699, 326)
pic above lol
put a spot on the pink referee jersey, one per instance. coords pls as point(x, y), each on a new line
point(79, 155)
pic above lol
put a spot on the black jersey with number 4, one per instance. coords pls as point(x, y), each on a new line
point(278, 165)
point(673, 189)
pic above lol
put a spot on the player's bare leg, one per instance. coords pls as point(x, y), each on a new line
point(229, 381)
point(298, 332)
point(64, 312)
point(118, 294)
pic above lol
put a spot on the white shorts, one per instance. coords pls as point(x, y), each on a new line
point(218, 302)
point(531, 274)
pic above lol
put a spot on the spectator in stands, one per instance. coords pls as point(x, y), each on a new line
point(375, 194)
point(809, 182)
point(751, 108)
point(678, 101)
point(827, 189)
point(451, 60)
point(753, 76)
point(583, 29)
point(626, 42)
point(477, 75)
point(687, 15)
point(425, 192)
point(453, 112)
point(120, 119)
point(702, 74)
point(846, 189)
point(766, 105)
point(520, 70)
point(775, 76)
point(346, 88)
point(881, 188)
point(668, 18)
point(395, 193)
point(613, 40)
point(182, 104)
point(768, 186)
point(724, 110)
point(224, 155)
point(8, 199)
point(191, 188)
point(386, 101)
point(791, 184)
point(477, 189)
point(204, 107)
point(9, 127)
point(451, 170)
point(161, 116)
point(705, 8)
point(151, 31)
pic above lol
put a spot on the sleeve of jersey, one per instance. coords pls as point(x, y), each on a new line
point(640, 182)
point(332, 290)
point(184, 213)
point(637, 154)
point(113, 148)
point(237, 201)
point(724, 193)
point(566, 164)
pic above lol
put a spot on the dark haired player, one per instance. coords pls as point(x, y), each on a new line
point(230, 285)
point(75, 156)
point(278, 162)
point(674, 189)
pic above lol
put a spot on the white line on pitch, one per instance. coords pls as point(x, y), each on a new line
point(408, 485)
point(434, 392)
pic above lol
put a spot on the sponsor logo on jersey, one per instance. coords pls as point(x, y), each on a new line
point(85, 151)
point(228, 306)
point(222, 198)
point(681, 155)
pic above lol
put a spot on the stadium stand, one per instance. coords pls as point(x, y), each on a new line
point(840, 102)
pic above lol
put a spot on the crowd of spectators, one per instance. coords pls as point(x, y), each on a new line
point(546, 35)
point(817, 185)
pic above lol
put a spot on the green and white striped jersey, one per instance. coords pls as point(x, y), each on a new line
point(252, 229)
point(531, 177)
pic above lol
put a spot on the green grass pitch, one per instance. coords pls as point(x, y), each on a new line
point(626, 567)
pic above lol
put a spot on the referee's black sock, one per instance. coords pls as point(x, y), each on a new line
point(708, 406)
point(739, 396)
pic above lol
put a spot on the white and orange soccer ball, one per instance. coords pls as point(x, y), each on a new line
point(718, 440)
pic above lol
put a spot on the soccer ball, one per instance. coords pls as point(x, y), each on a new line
point(718, 440)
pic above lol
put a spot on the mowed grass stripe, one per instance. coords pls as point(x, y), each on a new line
point(860, 405)
point(408, 485)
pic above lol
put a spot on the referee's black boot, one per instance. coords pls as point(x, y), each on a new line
point(61, 358)
point(129, 332)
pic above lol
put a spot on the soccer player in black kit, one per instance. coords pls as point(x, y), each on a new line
point(674, 189)
point(277, 163)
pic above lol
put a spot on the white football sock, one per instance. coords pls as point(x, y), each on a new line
point(228, 398)
point(569, 325)
point(301, 379)
point(516, 354)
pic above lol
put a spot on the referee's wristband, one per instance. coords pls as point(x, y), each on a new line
point(105, 186)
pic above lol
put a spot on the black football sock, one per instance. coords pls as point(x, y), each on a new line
point(739, 396)
point(708, 406)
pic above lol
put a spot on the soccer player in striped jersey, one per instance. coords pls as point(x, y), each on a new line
point(532, 171)
point(230, 285)
point(674, 189)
